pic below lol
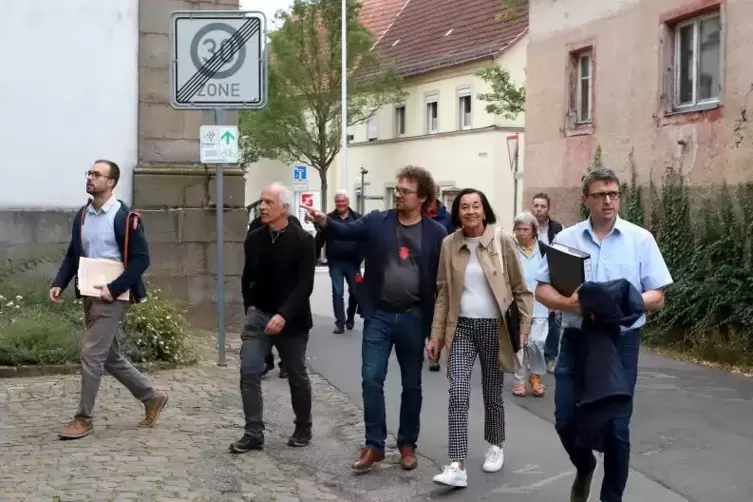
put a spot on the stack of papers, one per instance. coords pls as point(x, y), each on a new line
point(99, 272)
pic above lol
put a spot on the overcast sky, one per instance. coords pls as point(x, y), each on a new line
point(268, 7)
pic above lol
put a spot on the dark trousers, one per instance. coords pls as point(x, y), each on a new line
point(341, 272)
point(406, 332)
point(552, 345)
point(254, 349)
point(617, 434)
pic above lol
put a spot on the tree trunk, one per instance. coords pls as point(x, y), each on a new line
point(323, 188)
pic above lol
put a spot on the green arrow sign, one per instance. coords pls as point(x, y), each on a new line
point(227, 137)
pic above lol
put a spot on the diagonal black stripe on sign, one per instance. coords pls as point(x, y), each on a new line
point(217, 61)
point(213, 65)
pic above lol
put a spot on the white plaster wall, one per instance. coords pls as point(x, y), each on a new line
point(68, 95)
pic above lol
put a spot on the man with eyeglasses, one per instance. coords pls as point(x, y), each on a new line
point(619, 250)
point(397, 295)
point(105, 228)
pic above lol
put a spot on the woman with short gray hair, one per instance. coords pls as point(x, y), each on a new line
point(530, 359)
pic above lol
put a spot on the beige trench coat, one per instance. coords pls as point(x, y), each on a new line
point(507, 286)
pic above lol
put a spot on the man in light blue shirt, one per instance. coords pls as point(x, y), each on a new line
point(619, 250)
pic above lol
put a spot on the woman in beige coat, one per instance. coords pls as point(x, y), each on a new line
point(479, 278)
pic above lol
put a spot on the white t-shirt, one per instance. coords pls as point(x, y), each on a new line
point(477, 300)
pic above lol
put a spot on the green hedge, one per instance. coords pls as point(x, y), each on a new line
point(705, 238)
point(35, 331)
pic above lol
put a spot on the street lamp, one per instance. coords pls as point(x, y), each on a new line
point(344, 99)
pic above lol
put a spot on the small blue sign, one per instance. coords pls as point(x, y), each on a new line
point(300, 173)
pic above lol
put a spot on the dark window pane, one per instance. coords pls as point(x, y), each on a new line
point(685, 65)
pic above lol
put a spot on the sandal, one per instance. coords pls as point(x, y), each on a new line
point(519, 390)
point(538, 388)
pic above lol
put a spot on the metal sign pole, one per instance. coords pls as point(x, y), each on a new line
point(219, 183)
point(232, 75)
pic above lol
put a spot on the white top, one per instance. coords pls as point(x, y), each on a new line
point(477, 301)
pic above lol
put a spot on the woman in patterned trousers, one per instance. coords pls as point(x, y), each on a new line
point(479, 278)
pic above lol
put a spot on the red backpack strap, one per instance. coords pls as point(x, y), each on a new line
point(82, 217)
point(131, 224)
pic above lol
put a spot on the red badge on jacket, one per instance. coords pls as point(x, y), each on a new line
point(403, 253)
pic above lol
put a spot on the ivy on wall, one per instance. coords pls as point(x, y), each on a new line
point(706, 238)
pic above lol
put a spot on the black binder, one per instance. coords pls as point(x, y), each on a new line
point(568, 268)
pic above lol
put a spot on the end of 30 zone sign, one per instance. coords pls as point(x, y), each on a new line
point(218, 60)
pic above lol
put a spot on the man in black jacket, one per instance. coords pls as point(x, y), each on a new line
point(277, 281)
point(344, 261)
point(548, 228)
point(270, 359)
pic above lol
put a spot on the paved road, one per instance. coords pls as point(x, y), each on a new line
point(692, 428)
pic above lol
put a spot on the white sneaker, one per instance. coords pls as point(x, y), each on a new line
point(452, 475)
point(495, 459)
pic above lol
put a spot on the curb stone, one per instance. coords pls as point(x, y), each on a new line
point(70, 369)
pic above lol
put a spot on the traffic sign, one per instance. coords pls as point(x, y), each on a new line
point(218, 59)
point(307, 199)
point(218, 144)
point(300, 177)
point(300, 173)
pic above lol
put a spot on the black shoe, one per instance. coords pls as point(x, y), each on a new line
point(349, 324)
point(300, 438)
point(339, 330)
point(433, 366)
point(267, 368)
point(283, 372)
point(581, 490)
point(247, 443)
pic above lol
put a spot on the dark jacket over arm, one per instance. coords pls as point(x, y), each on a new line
point(603, 388)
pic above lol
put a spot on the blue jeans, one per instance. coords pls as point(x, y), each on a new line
point(617, 436)
point(380, 333)
point(552, 346)
point(341, 272)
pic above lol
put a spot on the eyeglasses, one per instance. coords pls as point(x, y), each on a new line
point(403, 191)
point(95, 175)
point(604, 195)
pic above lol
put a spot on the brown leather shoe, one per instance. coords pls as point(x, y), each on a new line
point(75, 429)
point(367, 459)
point(408, 459)
point(153, 409)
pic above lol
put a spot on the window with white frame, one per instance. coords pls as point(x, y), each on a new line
point(350, 134)
point(698, 61)
point(372, 129)
point(432, 114)
point(584, 87)
point(399, 121)
point(448, 196)
point(465, 103)
point(389, 197)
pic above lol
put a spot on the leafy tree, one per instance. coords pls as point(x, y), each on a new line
point(302, 120)
point(506, 98)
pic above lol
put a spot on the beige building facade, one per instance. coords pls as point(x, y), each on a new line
point(443, 126)
point(665, 79)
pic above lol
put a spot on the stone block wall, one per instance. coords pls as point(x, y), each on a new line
point(179, 212)
point(174, 192)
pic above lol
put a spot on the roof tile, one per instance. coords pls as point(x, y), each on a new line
point(430, 34)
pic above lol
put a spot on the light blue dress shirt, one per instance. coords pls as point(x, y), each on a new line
point(627, 252)
point(531, 265)
point(99, 231)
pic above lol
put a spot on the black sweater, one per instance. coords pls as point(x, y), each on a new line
point(278, 277)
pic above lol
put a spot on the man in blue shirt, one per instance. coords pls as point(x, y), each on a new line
point(619, 250)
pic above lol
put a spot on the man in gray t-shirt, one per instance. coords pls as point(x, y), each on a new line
point(397, 294)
